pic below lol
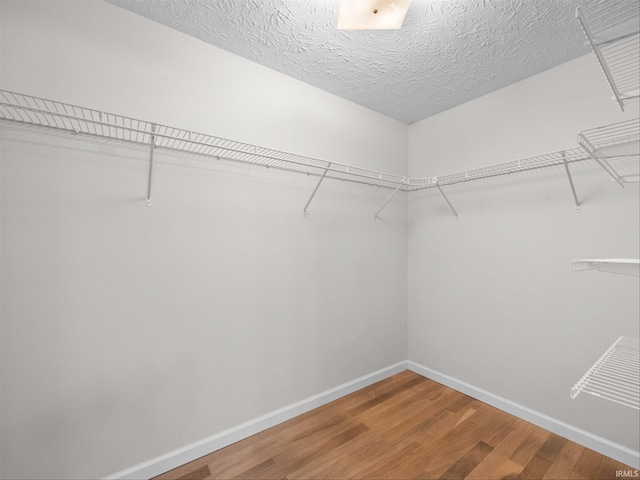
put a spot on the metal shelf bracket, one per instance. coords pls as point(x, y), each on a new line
point(152, 146)
point(447, 200)
point(573, 189)
point(375, 215)
point(324, 174)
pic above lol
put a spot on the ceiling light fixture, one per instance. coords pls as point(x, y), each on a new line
point(372, 14)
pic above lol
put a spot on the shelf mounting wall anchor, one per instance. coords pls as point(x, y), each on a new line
point(447, 200)
point(375, 215)
point(324, 174)
point(573, 189)
point(152, 148)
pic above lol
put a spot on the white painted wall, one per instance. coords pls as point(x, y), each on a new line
point(127, 331)
point(492, 300)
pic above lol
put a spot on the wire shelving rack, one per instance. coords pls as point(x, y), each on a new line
point(615, 375)
point(612, 29)
point(552, 159)
point(547, 160)
point(614, 147)
point(81, 120)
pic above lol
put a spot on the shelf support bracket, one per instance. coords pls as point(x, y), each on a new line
point(573, 188)
point(447, 200)
point(152, 148)
point(375, 215)
point(324, 174)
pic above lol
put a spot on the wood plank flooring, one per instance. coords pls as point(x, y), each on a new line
point(404, 427)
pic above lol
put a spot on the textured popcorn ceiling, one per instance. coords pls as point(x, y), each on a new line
point(448, 51)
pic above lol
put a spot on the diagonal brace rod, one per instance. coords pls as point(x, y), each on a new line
point(573, 188)
point(375, 215)
point(447, 200)
point(153, 146)
point(324, 174)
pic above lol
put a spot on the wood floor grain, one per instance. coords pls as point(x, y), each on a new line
point(404, 427)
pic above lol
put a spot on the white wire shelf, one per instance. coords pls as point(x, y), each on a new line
point(623, 266)
point(612, 29)
point(615, 376)
point(616, 148)
point(48, 113)
point(546, 160)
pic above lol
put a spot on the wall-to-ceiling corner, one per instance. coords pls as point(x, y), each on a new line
point(492, 299)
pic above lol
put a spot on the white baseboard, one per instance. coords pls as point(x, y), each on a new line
point(220, 440)
point(602, 445)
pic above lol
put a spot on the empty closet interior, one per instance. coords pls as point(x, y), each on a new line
point(195, 247)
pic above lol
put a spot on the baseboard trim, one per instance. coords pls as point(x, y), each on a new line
point(599, 444)
point(220, 440)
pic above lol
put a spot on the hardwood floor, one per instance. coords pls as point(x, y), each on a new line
point(404, 427)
